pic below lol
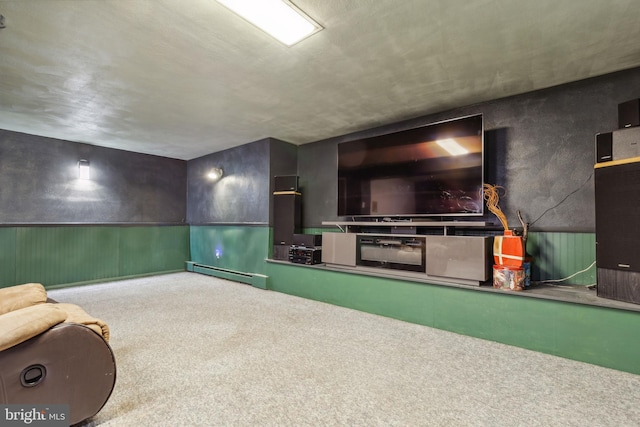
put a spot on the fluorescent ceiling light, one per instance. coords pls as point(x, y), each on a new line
point(452, 147)
point(278, 18)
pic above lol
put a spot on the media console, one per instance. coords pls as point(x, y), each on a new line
point(449, 258)
point(391, 251)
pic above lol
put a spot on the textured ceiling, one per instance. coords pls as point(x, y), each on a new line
point(187, 78)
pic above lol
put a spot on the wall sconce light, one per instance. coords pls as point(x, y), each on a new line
point(84, 171)
point(215, 174)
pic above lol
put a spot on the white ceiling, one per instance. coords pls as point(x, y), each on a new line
point(186, 78)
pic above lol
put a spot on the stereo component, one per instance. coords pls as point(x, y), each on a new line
point(308, 240)
point(304, 255)
point(281, 252)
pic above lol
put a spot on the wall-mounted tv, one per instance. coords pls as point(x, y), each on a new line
point(433, 170)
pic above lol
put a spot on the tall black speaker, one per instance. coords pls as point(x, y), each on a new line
point(287, 216)
point(617, 196)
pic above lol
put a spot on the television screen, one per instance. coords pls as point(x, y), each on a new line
point(432, 170)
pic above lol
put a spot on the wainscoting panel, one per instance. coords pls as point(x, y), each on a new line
point(237, 248)
point(149, 249)
point(7, 256)
point(62, 255)
point(559, 255)
point(54, 255)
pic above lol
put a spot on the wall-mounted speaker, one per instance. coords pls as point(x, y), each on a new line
point(604, 150)
point(629, 114)
point(285, 183)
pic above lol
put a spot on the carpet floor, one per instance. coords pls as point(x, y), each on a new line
point(193, 350)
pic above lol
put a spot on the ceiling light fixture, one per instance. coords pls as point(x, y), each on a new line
point(452, 147)
point(280, 19)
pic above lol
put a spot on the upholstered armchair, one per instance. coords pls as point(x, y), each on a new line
point(53, 353)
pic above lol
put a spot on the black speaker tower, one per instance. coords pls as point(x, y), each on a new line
point(287, 221)
point(617, 191)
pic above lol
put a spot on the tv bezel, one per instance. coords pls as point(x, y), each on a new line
point(419, 215)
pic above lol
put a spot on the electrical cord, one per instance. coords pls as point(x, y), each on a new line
point(562, 201)
point(569, 277)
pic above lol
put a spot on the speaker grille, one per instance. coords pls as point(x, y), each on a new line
point(617, 191)
point(287, 217)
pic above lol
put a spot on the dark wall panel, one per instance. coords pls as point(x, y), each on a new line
point(240, 196)
point(283, 162)
point(39, 183)
point(539, 146)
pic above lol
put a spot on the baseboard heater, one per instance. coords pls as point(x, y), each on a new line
point(253, 279)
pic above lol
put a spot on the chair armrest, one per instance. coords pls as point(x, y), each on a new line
point(21, 296)
point(76, 314)
point(20, 325)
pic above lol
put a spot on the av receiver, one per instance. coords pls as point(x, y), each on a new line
point(305, 255)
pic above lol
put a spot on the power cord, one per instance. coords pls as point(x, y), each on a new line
point(570, 277)
point(562, 201)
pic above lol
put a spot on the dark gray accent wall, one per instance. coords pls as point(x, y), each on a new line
point(283, 162)
point(242, 194)
point(284, 159)
point(39, 184)
point(539, 146)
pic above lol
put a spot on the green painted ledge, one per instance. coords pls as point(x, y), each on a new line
point(597, 335)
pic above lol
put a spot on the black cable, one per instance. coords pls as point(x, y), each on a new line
point(562, 201)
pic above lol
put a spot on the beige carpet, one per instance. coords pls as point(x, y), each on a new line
point(193, 350)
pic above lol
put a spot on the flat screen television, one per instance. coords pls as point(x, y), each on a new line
point(433, 170)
